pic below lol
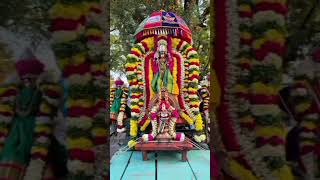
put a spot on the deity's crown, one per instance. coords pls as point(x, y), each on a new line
point(162, 42)
point(163, 89)
point(28, 65)
point(119, 82)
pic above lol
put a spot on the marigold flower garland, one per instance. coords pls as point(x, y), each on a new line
point(139, 75)
point(8, 94)
point(189, 74)
point(308, 114)
point(234, 78)
point(269, 47)
point(121, 116)
point(95, 45)
point(189, 81)
point(51, 94)
point(240, 59)
point(75, 38)
point(134, 72)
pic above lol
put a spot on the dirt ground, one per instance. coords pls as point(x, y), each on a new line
point(117, 141)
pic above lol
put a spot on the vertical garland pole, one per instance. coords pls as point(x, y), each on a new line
point(68, 22)
point(269, 45)
point(8, 94)
point(308, 113)
point(95, 44)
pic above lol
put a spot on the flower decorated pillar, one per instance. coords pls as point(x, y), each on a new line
point(269, 48)
point(163, 58)
point(307, 113)
point(77, 43)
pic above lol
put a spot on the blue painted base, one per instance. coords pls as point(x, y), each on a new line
point(164, 165)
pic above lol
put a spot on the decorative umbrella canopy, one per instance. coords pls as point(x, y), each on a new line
point(163, 23)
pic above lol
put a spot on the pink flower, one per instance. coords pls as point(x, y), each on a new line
point(246, 14)
point(276, 7)
point(269, 47)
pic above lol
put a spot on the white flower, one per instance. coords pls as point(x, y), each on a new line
point(308, 135)
point(42, 139)
point(34, 170)
point(269, 16)
point(76, 166)
point(79, 79)
point(272, 59)
point(269, 150)
point(43, 120)
point(64, 36)
point(269, 109)
point(313, 116)
point(5, 119)
point(82, 123)
point(134, 114)
point(299, 92)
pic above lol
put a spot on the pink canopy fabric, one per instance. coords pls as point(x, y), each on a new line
point(163, 23)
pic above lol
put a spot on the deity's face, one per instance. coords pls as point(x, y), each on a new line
point(164, 94)
point(163, 108)
point(162, 48)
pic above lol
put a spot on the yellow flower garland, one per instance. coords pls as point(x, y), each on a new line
point(199, 123)
point(284, 173)
point(175, 42)
point(149, 42)
point(132, 143)
point(187, 118)
point(43, 129)
point(175, 73)
point(85, 103)
point(145, 125)
point(240, 171)
point(308, 125)
point(261, 88)
point(99, 132)
point(40, 150)
point(269, 131)
point(133, 128)
point(82, 143)
point(67, 11)
point(303, 107)
point(6, 108)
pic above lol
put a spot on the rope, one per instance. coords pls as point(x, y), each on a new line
point(123, 150)
point(311, 90)
point(196, 145)
point(287, 108)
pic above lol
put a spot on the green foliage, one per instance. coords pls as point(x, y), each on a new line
point(26, 17)
point(303, 24)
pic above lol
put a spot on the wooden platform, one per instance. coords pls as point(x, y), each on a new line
point(182, 147)
point(162, 165)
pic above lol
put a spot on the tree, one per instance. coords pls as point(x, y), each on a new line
point(27, 17)
point(6, 63)
point(303, 24)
